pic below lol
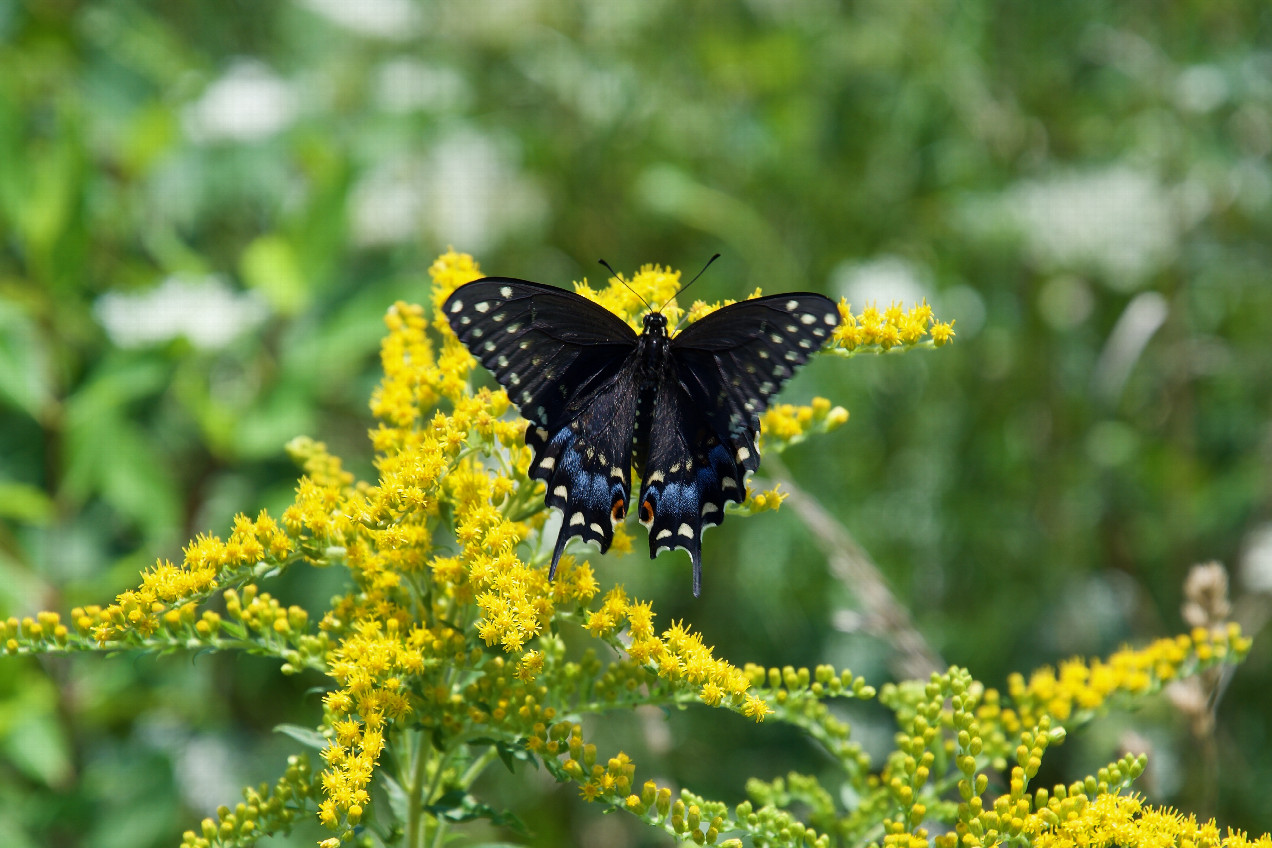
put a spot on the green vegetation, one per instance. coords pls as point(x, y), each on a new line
point(205, 212)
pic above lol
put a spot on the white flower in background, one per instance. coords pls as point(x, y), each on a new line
point(205, 310)
point(466, 192)
point(1200, 88)
point(879, 282)
point(1256, 559)
point(387, 205)
point(249, 102)
point(1119, 221)
point(392, 19)
point(407, 85)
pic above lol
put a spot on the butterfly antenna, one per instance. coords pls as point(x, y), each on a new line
point(619, 277)
point(691, 282)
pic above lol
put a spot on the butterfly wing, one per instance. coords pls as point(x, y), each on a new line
point(688, 476)
point(587, 462)
point(550, 348)
point(724, 369)
point(734, 360)
point(568, 364)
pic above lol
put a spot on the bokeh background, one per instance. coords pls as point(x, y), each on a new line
point(205, 209)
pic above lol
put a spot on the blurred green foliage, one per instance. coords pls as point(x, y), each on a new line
point(1085, 187)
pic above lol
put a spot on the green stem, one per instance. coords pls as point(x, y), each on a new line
point(415, 795)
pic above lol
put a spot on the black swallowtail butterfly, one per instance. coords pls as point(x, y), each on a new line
point(596, 392)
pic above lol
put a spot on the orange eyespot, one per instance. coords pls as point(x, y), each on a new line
point(619, 511)
point(646, 512)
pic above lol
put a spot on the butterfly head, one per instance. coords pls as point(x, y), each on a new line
point(656, 324)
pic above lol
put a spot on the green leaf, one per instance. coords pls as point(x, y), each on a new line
point(23, 363)
point(459, 806)
point(32, 737)
point(304, 735)
point(25, 503)
point(270, 266)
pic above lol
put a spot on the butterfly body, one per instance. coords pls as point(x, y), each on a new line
point(599, 395)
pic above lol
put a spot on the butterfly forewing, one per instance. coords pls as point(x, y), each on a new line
point(545, 345)
point(733, 360)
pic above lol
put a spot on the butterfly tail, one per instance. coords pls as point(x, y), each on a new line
point(562, 538)
point(696, 553)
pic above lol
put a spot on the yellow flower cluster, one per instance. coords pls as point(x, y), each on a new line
point(208, 564)
point(894, 327)
point(442, 476)
point(1125, 821)
point(784, 424)
point(265, 809)
point(678, 656)
point(1079, 686)
point(652, 285)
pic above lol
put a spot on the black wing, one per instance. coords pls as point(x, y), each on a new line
point(547, 346)
point(568, 365)
point(702, 437)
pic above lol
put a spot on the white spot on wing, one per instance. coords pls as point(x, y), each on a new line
point(548, 463)
point(686, 531)
point(595, 528)
point(792, 305)
point(576, 519)
point(663, 534)
point(506, 291)
point(807, 318)
point(560, 491)
point(743, 454)
point(483, 307)
point(657, 477)
point(456, 305)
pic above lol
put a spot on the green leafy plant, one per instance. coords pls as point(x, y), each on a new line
point(450, 652)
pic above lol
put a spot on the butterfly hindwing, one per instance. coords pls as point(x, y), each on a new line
point(546, 346)
point(587, 464)
point(689, 475)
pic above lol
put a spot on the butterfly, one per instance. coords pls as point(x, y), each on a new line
point(597, 394)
